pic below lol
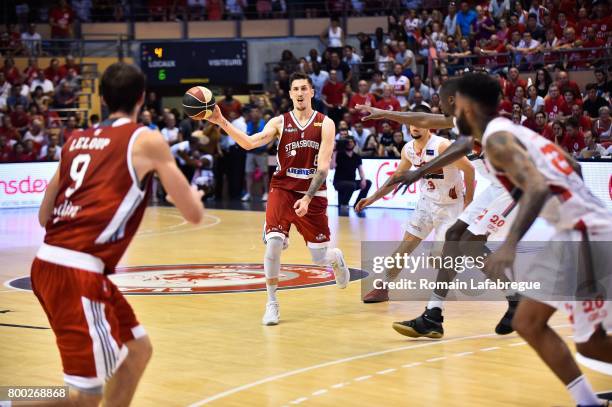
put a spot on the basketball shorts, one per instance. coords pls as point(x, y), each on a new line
point(90, 318)
point(495, 219)
point(562, 274)
point(280, 215)
point(430, 216)
point(480, 203)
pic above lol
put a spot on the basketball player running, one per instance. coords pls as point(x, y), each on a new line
point(468, 235)
point(297, 191)
point(441, 201)
point(91, 210)
point(547, 182)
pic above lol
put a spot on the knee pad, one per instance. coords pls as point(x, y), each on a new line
point(319, 256)
point(274, 246)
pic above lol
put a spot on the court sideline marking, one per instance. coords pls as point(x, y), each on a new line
point(337, 362)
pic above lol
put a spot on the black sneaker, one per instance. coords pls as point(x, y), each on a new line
point(504, 326)
point(428, 325)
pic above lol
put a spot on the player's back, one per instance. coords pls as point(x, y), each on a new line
point(100, 201)
point(574, 203)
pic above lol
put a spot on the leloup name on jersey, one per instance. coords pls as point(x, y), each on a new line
point(89, 143)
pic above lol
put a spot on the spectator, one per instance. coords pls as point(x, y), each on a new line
point(527, 50)
point(401, 85)
point(534, 100)
point(32, 41)
point(313, 55)
point(549, 48)
point(65, 97)
point(516, 25)
point(343, 71)
point(50, 154)
point(562, 24)
point(513, 81)
point(171, 133)
point(385, 138)
point(36, 133)
point(346, 162)
point(351, 58)
point(362, 97)
point(406, 58)
point(450, 21)
point(72, 80)
point(499, 8)
point(69, 64)
point(417, 101)
point(419, 87)
point(592, 149)
point(584, 122)
point(520, 12)
point(5, 149)
point(229, 104)
point(602, 127)
point(61, 19)
point(484, 26)
point(333, 36)
point(465, 19)
point(16, 98)
point(554, 104)
point(534, 29)
point(593, 102)
point(388, 102)
point(332, 96)
point(494, 47)
point(378, 85)
point(52, 72)
point(214, 10)
point(146, 120)
point(539, 124)
point(573, 141)
point(20, 154)
point(604, 87)
point(235, 9)
point(592, 57)
point(39, 80)
point(196, 9)
point(319, 78)
point(94, 121)
point(288, 61)
point(11, 73)
point(256, 167)
point(360, 133)
point(542, 82)
point(384, 60)
point(70, 128)
point(51, 151)
point(503, 32)
point(556, 132)
point(370, 147)
point(9, 131)
point(566, 84)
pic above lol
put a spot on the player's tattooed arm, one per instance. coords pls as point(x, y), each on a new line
point(418, 119)
point(504, 152)
point(46, 207)
point(389, 185)
point(457, 150)
point(270, 130)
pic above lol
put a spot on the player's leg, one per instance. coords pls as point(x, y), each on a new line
point(262, 163)
point(598, 347)
point(531, 323)
point(249, 168)
point(278, 223)
point(314, 227)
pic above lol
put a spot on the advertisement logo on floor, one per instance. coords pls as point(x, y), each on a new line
point(209, 278)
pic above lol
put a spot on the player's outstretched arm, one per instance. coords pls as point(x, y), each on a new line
point(418, 119)
point(328, 134)
point(456, 151)
point(151, 153)
point(469, 174)
point(46, 207)
point(389, 185)
point(245, 141)
point(503, 151)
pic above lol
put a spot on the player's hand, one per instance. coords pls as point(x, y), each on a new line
point(405, 177)
point(216, 117)
point(301, 205)
point(374, 113)
point(362, 204)
point(500, 261)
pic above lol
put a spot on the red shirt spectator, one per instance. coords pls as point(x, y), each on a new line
point(565, 84)
point(554, 104)
point(592, 41)
point(70, 64)
point(52, 72)
point(515, 26)
point(573, 141)
point(20, 154)
point(214, 10)
point(505, 107)
point(61, 19)
point(388, 102)
point(20, 118)
point(333, 90)
point(230, 104)
point(604, 28)
point(548, 133)
point(363, 97)
point(562, 23)
point(5, 149)
point(11, 73)
point(513, 82)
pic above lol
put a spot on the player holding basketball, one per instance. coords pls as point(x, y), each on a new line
point(91, 210)
point(547, 182)
point(297, 191)
point(442, 200)
point(468, 235)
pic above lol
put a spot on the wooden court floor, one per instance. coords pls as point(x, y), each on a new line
point(329, 350)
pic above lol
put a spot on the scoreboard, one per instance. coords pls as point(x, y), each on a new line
point(169, 63)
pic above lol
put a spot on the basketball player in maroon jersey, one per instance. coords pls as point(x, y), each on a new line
point(91, 210)
point(297, 191)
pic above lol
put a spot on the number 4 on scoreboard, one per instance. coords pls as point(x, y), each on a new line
point(159, 52)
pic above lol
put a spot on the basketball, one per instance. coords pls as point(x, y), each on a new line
point(198, 103)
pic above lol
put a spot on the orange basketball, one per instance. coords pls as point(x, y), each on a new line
point(198, 103)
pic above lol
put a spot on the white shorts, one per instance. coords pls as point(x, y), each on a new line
point(429, 216)
point(496, 218)
point(480, 203)
point(557, 270)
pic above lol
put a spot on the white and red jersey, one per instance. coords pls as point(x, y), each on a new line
point(442, 187)
point(298, 151)
point(100, 202)
point(573, 204)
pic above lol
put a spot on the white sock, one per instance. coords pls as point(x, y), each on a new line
point(272, 292)
point(582, 392)
point(435, 301)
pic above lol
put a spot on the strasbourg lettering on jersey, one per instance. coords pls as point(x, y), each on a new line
point(100, 202)
point(298, 152)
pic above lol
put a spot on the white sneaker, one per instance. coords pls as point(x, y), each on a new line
point(341, 271)
point(264, 197)
point(272, 314)
point(246, 197)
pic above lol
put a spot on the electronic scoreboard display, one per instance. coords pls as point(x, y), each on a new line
point(170, 63)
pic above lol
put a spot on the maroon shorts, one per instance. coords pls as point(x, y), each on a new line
point(90, 318)
point(280, 214)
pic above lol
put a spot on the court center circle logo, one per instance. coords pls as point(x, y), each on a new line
point(209, 278)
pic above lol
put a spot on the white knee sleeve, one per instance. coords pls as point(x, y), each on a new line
point(274, 246)
point(320, 256)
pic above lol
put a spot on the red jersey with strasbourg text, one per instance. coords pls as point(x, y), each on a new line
point(100, 202)
point(298, 151)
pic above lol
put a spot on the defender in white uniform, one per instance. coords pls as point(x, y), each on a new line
point(574, 272)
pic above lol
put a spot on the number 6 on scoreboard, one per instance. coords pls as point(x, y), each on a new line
point(77, 172)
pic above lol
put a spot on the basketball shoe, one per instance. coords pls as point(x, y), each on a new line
point(341, 271)
point(428, 325)
point(272, 314)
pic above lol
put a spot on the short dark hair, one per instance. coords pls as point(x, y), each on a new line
point(422, 109)
point(533, 15)
point(572, 122)
point(121, 87)
point(296, 76)
point(449, 87)
point(481, 88)
point(591, 86)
